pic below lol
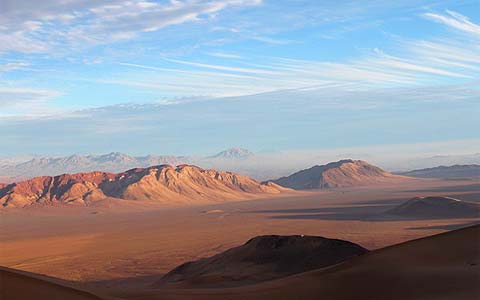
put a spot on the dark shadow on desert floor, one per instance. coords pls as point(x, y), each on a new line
point(372, 213)
point(447, 189)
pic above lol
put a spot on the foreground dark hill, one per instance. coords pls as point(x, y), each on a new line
point(451, 172)
point(165, 184)
point(436, 207)
point(262, 258)
point(343, 173)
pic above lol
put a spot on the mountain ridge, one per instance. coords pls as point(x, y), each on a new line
point(342, 173)
point(163, 184)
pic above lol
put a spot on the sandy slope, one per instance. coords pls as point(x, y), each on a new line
point(19, 285)
point(444, 266)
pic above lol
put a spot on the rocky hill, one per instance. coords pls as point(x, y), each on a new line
point(343, 173)
point(164, 184)
point(263, 258)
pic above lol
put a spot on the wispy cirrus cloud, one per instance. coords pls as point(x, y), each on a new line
point(225, 55)
point(10, 66)
point(456, 21)
point(225, 68)
point(37, 26)
point(218, 72)
point(417, 62)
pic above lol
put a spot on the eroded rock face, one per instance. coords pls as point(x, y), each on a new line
point(437, 207)
point(263, 258)
point(165, 183)
point(343, 173)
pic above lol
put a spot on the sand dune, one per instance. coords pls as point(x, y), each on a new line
point(19, 285)
point(184, 184)
point(343, 173)
point(262, 258)
point(437, 207)
point(444, 266)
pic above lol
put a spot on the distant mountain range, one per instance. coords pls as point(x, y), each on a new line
point(187, 184)
point(452, 172)
point(234, 153)
point(261, 166)
point(343, 173)
point(165, 185)
point(414, 163)
point(111, 162)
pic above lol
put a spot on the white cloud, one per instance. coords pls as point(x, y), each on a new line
point(10, 66)
point(455, 20)
point(406, 63)
point(37, 26)
point(225, 55)
point(270, 40)
point(416, 63)
point(225, 68)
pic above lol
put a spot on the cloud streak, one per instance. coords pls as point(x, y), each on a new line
point(455, 20)
point(38, 26)
point(10, 66)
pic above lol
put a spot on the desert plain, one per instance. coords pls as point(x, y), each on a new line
point(113, 250)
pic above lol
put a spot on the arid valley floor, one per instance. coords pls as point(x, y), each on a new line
point(113, 251)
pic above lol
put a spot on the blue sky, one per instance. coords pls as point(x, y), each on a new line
point(192, 77)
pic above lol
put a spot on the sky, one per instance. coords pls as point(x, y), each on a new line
point(195, 77)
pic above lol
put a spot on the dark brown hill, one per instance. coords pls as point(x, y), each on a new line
point(263, 258)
